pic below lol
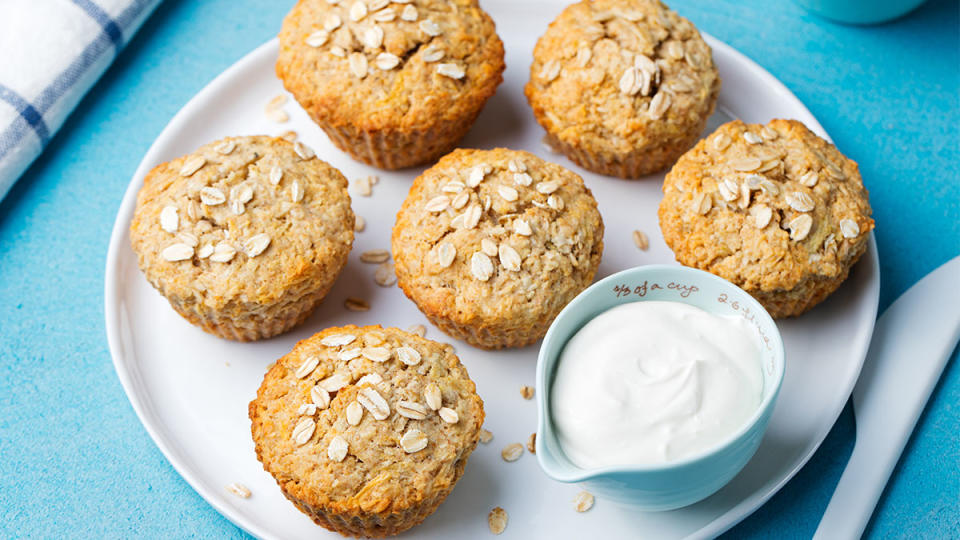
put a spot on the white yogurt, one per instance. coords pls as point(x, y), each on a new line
point(647, 383)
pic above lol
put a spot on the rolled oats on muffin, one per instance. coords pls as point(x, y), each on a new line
point(622, 87)
point(772, 208)
point(394, 84)
point(244, 236)
point(492, 244)
point(366, 429)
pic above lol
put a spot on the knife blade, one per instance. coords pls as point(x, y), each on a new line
point(911, 344)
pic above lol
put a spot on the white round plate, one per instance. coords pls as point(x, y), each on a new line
point(191, 389)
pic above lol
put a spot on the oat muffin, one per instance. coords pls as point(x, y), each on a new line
point(245, 235)
point(622, 87)
point(366, 430)
point(492, 244)
point(394, 84)
point(775, 209)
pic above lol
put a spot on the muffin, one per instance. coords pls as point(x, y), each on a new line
point(492, 244)
point(366, 430)
point(392, 84)
point(622, 87)
point(244, 236)
point(772, 208)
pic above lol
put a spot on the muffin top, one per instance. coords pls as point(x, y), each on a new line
point(243, 220)
point(491, 234)
point(621, 75)
point(377, 64)
point(366, 418)
point(766, 207)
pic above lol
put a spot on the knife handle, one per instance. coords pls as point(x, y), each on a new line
point(912, 342)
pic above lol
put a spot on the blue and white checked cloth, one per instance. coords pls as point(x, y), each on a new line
point(51, 53)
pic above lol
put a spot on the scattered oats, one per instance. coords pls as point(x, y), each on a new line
point(413, 441)
point(769, 133)
point(810, 179)
point(371, 379)
point(522, 179)
point(728, 189)
point(169, 220)
point(304, 151)
point(318, 38)
point(522, 227)
point(509, 258)
point(583, 501)
point(550, 70)
point(762, 214)
point(487, 203)
point(628, 82)
point(433, 397)
point(350, 354)
point(746, 164)
point(583, 57)
point(363, 186)
point(673, 50)
point(255, 245)
point(721, 141)
point(358, 65)
point(744, 201)
point(547, 187)
point(645, 64)
point(378, 4)
point(373, 402)
point(192, 165)
point(769, 187)
point(242, 193)
point(358, 11)
point(205, 251)
point(409, 13)
point(768, 165)
point(489, 247)
point(411, 410)
point(833, 171)
point(640, 240)
point(296, 192)
point(497, 520)
point(278, 115)
point(480, 266)
point(387, 61)
point(430, 28)
point(376, 354)
point(800, 227)
point(477, 174)
point(752, 138)
point(338, 51)
point(372, 38)
point(433, 53)
point(555, 202)
point(527, 392)
point(359, 224)
point(448, 415)
point(337, 449)
point(385, 15)
point(188, 239)
point(177, 252)
point(375, 256)
point(849, 228)
point(508, 193)
point(800, 201)
point(223, 252)
point(354, 413)
point(512, 452)
point(303, 431)
point(485, 436)
point(407, 355)
point(418, 330)
point(356, 304)
point(239, 490)
point(385, 275)
point(334, 382)
point(471, 217)
point(338, 340)
point(226, 147)
point(307, 409)
point(460, 200)
point(276, 174)
point(701, 203)
point(307, 367)
point(516, 166)
point(212, 196)
point(320, 397)
point(289, 135)
point(453, 186)
point(438, 204)
point(331, 22)
point(446, 252)
point(659, 105)
point(451, 70)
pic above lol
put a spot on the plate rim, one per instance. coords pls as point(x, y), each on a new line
point(180, 463)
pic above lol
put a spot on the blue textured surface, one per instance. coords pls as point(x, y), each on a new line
point(74, 460)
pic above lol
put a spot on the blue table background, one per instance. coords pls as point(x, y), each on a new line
point(74, 459)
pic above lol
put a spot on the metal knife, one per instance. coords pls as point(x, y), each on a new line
point(912, 342)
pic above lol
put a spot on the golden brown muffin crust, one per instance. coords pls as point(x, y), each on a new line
point(521, 238)
point(376, 487)
point(775, 209)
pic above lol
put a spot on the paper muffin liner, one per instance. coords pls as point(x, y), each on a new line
point(397, 149)
point(628, 166)
point(494, 337)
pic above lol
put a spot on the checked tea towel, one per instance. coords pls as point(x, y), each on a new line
point(51, 53)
